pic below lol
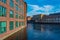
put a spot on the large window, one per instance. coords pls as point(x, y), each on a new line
point(17, 0)
point(22, 23)
point(11, 14)
point(17, 24)
point(11, 25)
point(3, 11)
point(17, 16)
point(11, 3)
point(20, 3)
point(22, 17)
point(21, 10)
point(17, 7)
point(4, 1)
point(2, 27)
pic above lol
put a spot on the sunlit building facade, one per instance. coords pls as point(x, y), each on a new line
point(29, 18)
point(12, 19)
point(52, 18)
point(38, 18)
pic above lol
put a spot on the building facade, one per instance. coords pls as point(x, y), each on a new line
point(52, 18)
point(29, 18)
point(38, 18)
point(12, 20)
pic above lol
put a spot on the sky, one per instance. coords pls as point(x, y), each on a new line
point(46, 7)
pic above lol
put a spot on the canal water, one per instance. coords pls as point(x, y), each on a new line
point(43, 31)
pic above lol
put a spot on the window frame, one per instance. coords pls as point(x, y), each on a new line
point(11, 25)
point(17, 24)
point(3, 11)
point(11, 14)
point(11, 3)
point(3, 27)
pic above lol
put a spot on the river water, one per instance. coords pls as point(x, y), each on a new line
point(43, 31)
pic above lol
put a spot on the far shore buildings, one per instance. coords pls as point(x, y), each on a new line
point(29, 18)
point(12, 20)
point(38, 18)
point(52, 18)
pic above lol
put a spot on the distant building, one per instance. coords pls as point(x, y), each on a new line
point(29, 18)
point(12, 20)
point(52, 18)
point(38, 18)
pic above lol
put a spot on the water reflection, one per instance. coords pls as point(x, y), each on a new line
point(43, 31)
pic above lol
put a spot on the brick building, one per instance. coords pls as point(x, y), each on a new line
point(12, 20)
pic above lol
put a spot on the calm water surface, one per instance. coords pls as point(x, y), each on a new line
point(43, 31)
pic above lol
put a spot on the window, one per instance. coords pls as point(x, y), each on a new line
point(3, 11)
point(4, 1)
point(17, 16)
point(11, 14)
point(17, 7)
point(17, 0)
point(22, 17)
point(0, 10)
point(11, 3)
point(17, 24)
point(2, 27)
point(22, 23)
point(11, 25)
point(20, 10)
point(19, 3)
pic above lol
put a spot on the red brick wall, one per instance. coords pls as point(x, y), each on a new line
point(8, 19)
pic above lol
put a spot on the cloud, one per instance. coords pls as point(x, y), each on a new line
point(34, 7)
point(46, 9)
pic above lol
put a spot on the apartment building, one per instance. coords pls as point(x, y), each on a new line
point(12, 20)
point(51, 18)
